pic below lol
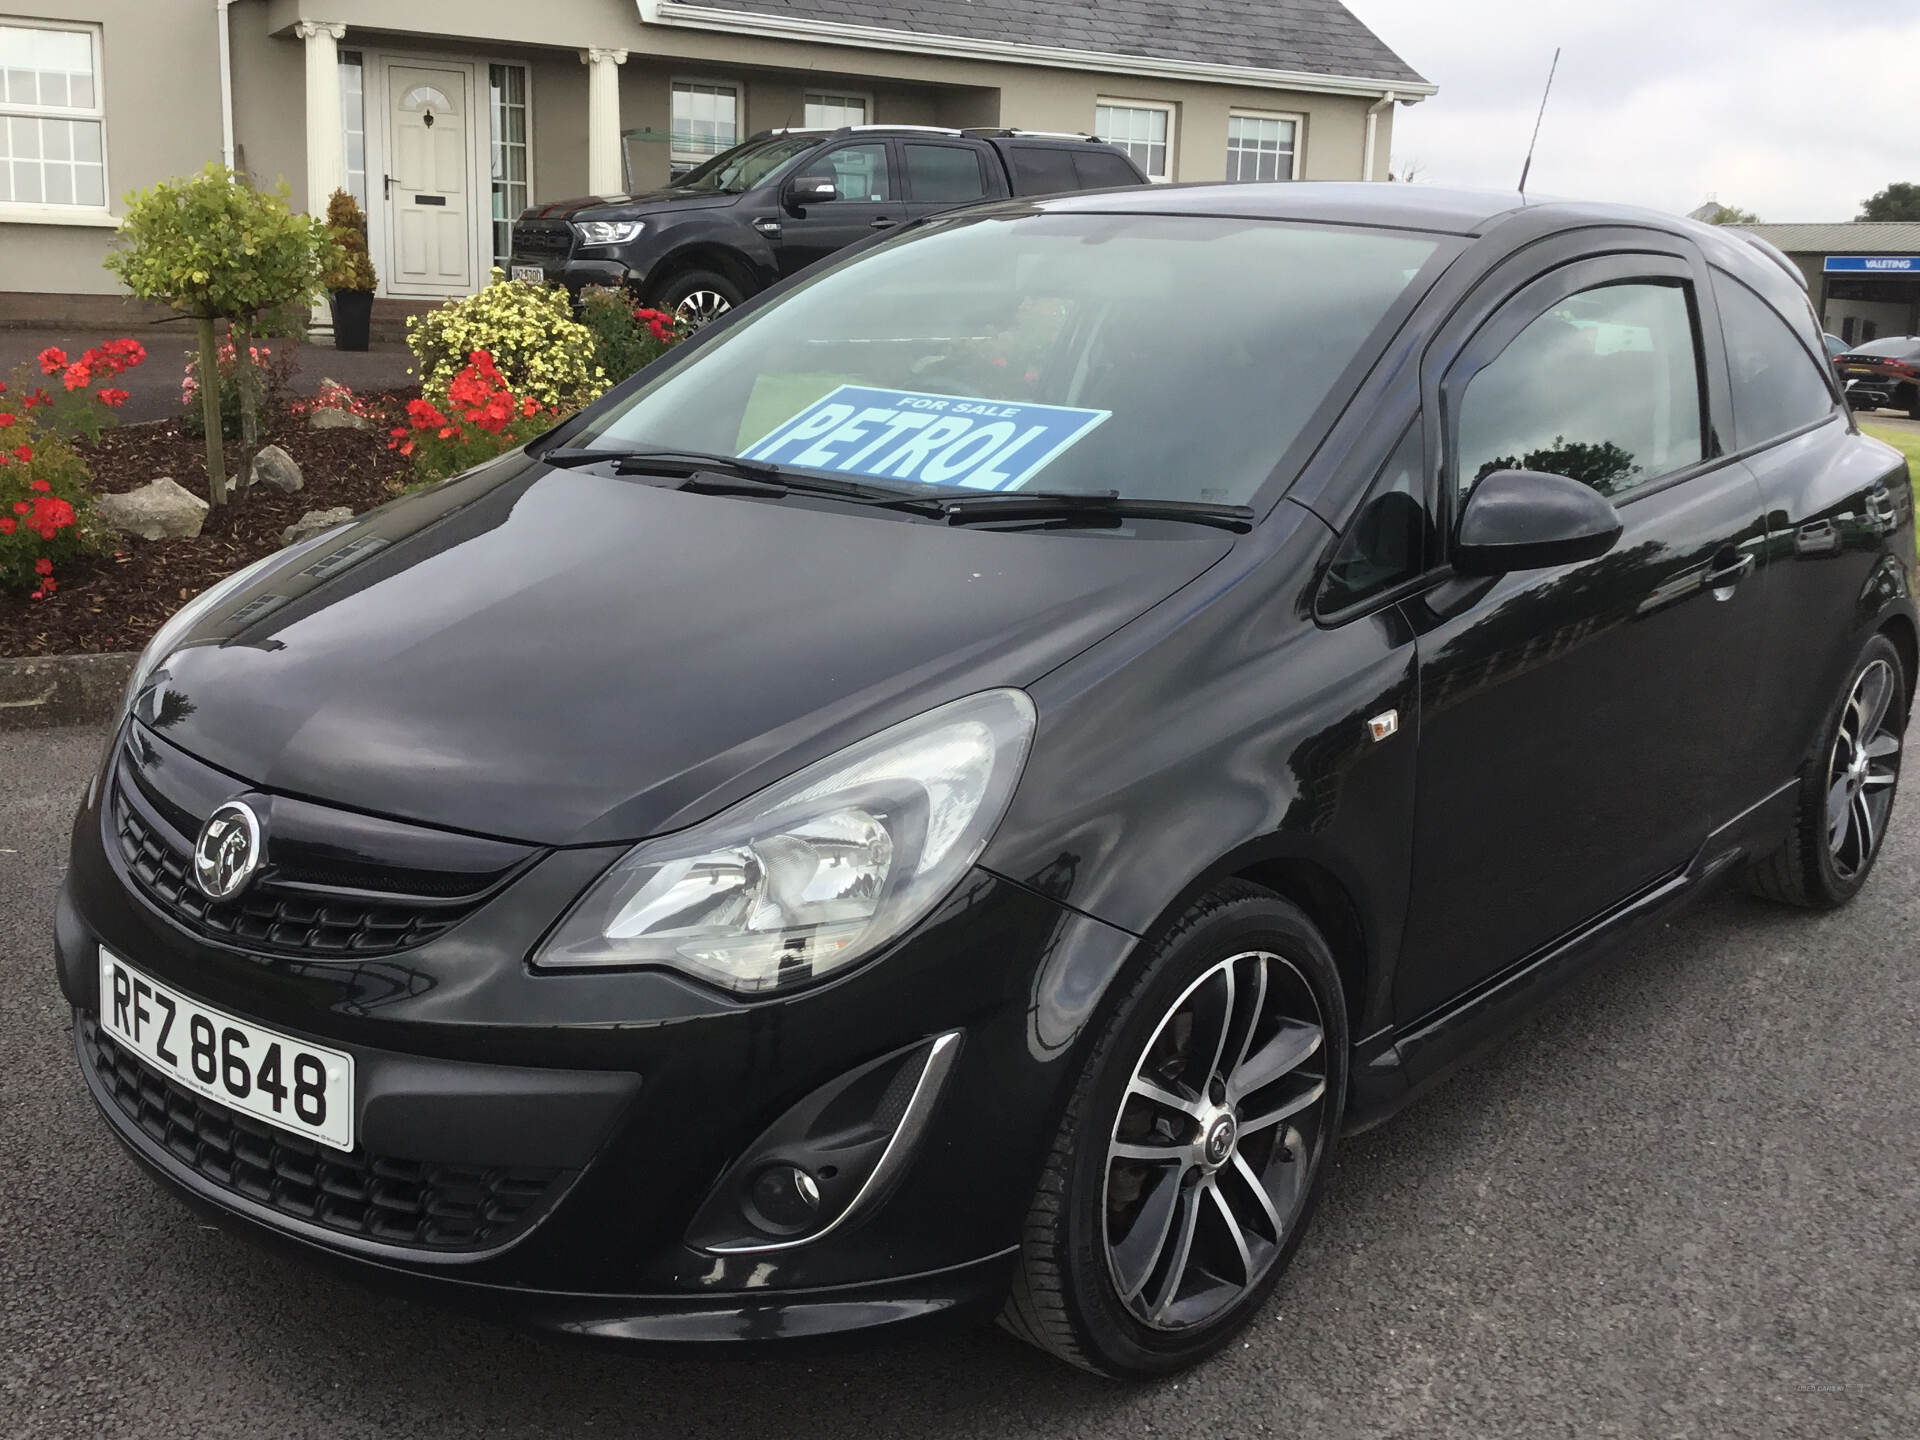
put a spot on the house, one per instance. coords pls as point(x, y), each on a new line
point(1864, 275)
point(447, 117)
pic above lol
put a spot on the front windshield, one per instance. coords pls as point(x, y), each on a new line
point(1160, 357)
point(745, 166)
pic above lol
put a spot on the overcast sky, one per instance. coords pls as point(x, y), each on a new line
point(1797, 109)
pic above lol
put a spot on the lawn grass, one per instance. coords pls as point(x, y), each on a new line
point(1905, 441)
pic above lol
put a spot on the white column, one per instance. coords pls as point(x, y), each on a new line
point(604, 171)
point(326, 138)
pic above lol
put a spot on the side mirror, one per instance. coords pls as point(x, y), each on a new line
point(805, 190)
point(1529, 520)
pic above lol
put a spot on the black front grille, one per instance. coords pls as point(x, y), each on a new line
point(270, 916)
point(415, 1204)
point(542, 240)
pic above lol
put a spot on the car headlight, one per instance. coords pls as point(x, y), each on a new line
point(167, 638)
point(817, 870)
point(607, 232)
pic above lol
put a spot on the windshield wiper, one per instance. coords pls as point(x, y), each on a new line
point(717, 474)
point(1097, 505)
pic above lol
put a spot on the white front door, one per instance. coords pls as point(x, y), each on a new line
point(428, 186)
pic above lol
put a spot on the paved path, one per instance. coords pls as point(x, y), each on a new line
point(1685, 1201)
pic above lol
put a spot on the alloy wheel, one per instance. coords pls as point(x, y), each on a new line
point(1213, 1151)
point(701, 307)
point(1863, 770)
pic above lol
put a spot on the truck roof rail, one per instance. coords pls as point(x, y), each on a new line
point(1002, 132)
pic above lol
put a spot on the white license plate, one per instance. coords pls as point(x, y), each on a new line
point(531, 273)
point(298, 1086)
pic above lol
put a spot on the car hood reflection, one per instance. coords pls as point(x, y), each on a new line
point(570, 658)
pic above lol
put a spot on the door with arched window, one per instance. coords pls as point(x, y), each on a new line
point(427, 188)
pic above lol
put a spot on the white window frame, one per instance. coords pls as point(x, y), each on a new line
point(712, 82)
point(865, 98)
point(526, 71)
point(1299, 122)
point(45, 213)
point(1121, 102)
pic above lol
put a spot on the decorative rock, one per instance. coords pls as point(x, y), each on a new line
point(161, 510)
point(328, 418)
point(315, 522)
point(275, 469)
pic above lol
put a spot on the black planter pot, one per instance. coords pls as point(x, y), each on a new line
point(352, 317)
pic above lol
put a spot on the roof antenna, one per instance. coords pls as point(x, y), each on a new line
point(1536, 121)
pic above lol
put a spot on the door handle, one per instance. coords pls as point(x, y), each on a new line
point(884, 224)
point(386, 187)
point(1728, 575)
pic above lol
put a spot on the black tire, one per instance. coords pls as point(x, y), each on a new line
point(1806, 870)
point(1065, 1297)
point(683, 291)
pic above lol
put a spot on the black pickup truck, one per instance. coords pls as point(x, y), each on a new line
point(784, 198)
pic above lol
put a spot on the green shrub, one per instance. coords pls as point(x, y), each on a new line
point(46, 507)
point(272, 368)
point(625, 340)
point(353, 266)
point(541, 351)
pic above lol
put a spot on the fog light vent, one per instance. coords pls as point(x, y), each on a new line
point(831, 1159)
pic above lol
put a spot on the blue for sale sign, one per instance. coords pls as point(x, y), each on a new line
point(932, 439)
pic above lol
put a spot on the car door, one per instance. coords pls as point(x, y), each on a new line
point(942, 174)
point(1580, 726)
point(865, 174)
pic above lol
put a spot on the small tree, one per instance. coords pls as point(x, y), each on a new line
point(1733, 215)
point(1899, 201)
point(213, 247)
point(352, 268)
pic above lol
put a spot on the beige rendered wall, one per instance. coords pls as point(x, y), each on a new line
point(160, 84)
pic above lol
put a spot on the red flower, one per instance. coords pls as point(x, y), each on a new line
point(23, 453)
point(6, 419)
point(38, 397)
point(21, 507)
point(114, 399)
point(49, 514)
point(8, 524)
point(42, 486)
point(78, 376)
point(52, 360)
point(43, 566)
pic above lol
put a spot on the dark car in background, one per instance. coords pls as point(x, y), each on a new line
point(1883, 374)
point(945, 797)
point(783, 199)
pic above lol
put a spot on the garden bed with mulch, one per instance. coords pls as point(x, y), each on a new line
point(115, 600)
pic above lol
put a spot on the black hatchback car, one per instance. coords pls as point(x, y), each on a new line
point(949, 794)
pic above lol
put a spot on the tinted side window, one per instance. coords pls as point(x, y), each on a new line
point(1391, 539)
point(1777, 388)
point(1604, 388)
point(944, 174)
point(1099, 169)
point(860, 171)
point(1042, 170)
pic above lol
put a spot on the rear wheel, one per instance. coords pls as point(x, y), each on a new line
point(1847, 785)
point(1193, 1147)
point(698, 297)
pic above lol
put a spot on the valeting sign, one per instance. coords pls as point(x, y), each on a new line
point(932, 439)
point(1873, 265)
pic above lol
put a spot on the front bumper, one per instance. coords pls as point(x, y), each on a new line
point(578, 274)
point(631, 1093)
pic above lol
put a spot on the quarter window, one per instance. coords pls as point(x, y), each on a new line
point(1604, 388)
point(706, 120)
point(1143, 131)
point(1259, 147)
point(943, 174)
point(1391, 539)
point(830, 112)
point(52, 123)
point(1776, 387)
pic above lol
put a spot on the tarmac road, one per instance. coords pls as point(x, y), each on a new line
point(1684, 1200)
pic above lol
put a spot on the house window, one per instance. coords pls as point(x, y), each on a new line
point(706, 120)
point(52, 124)
point(830, 112)
point(511, 193)
point(1144, 131)
point(1260, 147)
point(353, 121)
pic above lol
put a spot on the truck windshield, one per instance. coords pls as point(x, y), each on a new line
point(745, 166)
point(1159, 357)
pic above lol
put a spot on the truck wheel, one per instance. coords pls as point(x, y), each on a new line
point(698, 297)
